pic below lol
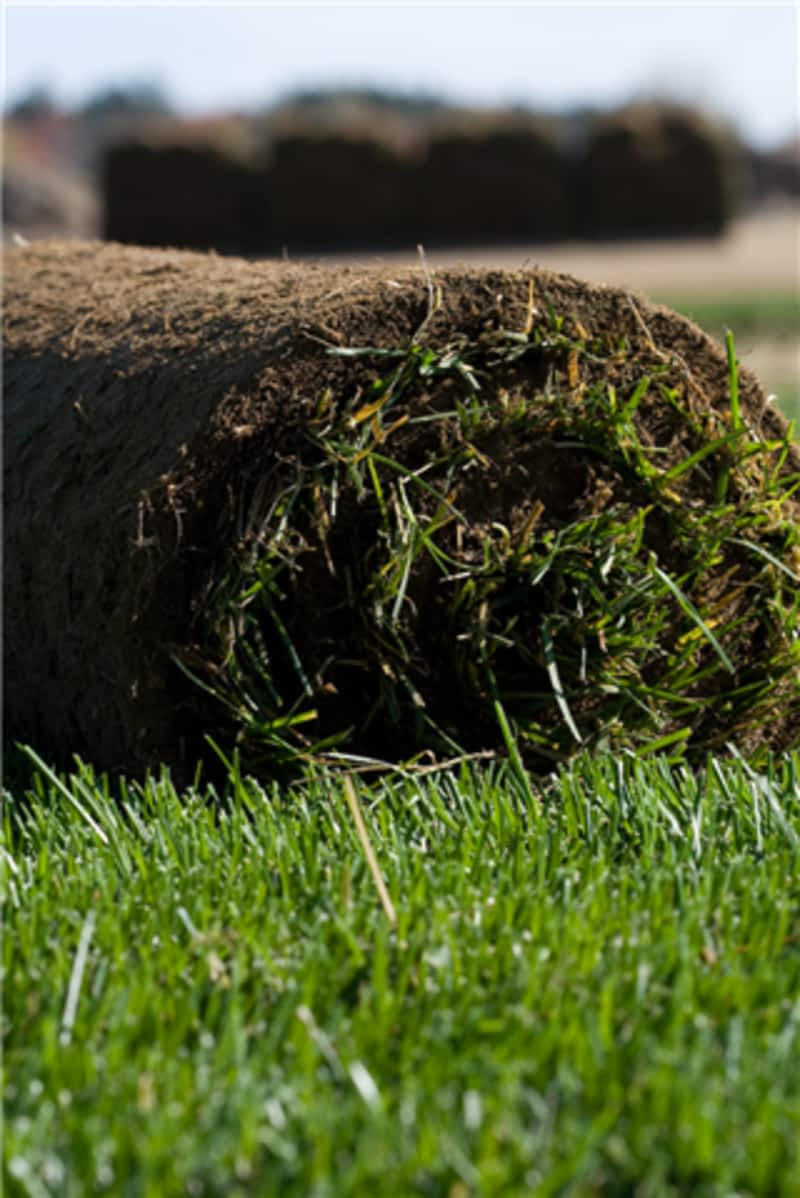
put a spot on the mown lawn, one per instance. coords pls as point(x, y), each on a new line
point(589, 989)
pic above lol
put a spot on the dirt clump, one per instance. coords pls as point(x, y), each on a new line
point(308, 509)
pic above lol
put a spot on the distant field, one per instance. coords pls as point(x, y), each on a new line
point(767, 314)
point(757, 255)
point(766, 326)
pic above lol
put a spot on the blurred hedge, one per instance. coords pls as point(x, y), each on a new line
point(654, 170)
point(492, 180)
point(328, 191)
point(457, 178)
point(184, 195)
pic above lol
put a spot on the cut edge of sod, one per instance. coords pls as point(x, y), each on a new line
point(654, 606)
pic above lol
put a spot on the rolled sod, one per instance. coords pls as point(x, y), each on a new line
point(312, 511)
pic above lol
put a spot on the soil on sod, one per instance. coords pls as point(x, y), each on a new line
point(384, 512)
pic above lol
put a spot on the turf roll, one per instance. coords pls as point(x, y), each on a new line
point(313, 511)
point(653, 170)
point(163, 190)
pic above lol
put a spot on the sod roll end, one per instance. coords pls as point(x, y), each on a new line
point(306, 511)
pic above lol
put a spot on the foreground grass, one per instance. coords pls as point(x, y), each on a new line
point(589, 990)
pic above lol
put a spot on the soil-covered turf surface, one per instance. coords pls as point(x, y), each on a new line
point(384, 512)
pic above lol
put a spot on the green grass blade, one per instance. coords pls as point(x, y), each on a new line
point(65, 791)
point(520, 773)
point(555, 681)
point(733, 382)
point(691, 611)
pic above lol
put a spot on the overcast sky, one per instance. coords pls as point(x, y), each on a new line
point(741, 60)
